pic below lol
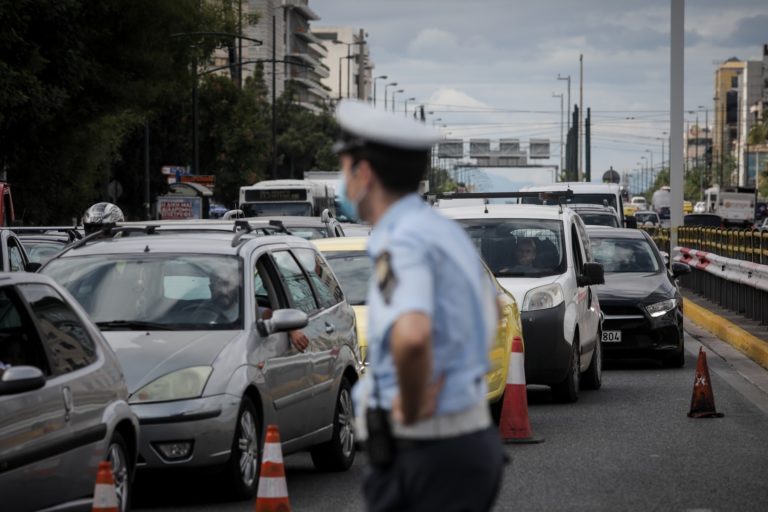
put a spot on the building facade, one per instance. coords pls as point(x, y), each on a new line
point(725, 129)
point(349, 61)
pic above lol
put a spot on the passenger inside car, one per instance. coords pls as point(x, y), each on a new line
point(263, 289)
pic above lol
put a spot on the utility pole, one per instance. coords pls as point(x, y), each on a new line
point(240, 45)
point(361, 57)
point(581, 117)
point(147, 197)
point(676, 104)
point(588, 147)
point(274, 97)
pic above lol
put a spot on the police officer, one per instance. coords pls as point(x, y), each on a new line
point(432, 316)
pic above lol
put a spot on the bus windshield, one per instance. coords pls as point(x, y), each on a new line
point(301, 209)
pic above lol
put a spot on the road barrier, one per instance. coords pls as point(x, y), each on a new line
point(740, 244)
point(735, 284)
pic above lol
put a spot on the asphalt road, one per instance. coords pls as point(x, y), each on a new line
point(628, 446)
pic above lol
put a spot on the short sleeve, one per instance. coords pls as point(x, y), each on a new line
point(413, 287)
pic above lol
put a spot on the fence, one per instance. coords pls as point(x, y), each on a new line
point(735, 284)
point(741, 244)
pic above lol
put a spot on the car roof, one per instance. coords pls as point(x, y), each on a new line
point(646, 211)
point(609, 232)
point(185, 243)
point(596, 208)
point(576, 186)
point(506, 211)
point(342, 243)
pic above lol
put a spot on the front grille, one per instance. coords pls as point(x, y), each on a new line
point(611, 310)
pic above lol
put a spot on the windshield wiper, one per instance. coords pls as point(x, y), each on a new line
point(131, 325)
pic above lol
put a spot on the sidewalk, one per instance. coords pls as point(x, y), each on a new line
point(746, 335)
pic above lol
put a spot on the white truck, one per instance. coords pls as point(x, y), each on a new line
point(736, 205)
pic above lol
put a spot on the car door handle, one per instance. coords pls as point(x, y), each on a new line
point(69, 402)
point(329, 328)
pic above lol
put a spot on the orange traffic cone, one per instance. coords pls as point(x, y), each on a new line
point(272, 495)
point(104, 494)
point(514, 425)
point(703, 401)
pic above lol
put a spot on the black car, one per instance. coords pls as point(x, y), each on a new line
point(706, 220)
point(640, 300)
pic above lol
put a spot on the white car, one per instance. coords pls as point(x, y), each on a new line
point(700, 207)
point(542, 255)
point(640, 202)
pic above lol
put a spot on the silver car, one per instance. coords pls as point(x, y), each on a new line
point(63, 401)
point(202, 323)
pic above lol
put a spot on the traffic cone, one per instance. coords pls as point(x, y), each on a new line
point(514, 425)
point(104, 494)
point(272, 495)
point(703, 401)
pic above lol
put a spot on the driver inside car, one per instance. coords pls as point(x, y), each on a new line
point(297, 338)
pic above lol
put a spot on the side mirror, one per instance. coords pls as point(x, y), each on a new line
point(665, 255)
point(592, 274)
point(680, 269)
point(326, 216)
point(282, 320)
point(630, 222)
point(33, 266)
point(20, 379)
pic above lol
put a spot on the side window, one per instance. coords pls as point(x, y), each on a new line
point(327, 288)
point(69, 343)
point(267, 295)
point(585, 239)
point(578, 257)
point(297, 286)
point(19, 343)
point(14, 256)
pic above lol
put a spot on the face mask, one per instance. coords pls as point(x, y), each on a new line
point(348, 207)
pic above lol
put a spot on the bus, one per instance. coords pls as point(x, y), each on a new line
point(273, 198)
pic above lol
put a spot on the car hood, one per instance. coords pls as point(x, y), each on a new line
point(145, 356)
point(634, 288)
point(519, 286)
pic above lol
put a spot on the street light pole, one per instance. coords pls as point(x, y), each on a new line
point(386, 88)
point(568, 118)
point(562, 153)
point(382, 77)
point(393, 97)
point(405, 110)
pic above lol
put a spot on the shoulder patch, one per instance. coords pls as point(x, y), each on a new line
point(386, 280)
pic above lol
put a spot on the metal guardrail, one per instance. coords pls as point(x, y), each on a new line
point(741, 244)
point(735, 284)
point(660, 236)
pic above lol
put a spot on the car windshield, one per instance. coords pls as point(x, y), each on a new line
point(308, 233)
point(40, 251)
point(353, 269)
point(519, 248)
point(298, 209)
point(624, 255)
point(163, 291)
point(599, 219)
point(645, 217)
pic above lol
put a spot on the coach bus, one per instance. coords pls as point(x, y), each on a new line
point(272, 198)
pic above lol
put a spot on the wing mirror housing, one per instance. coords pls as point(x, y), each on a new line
point(680, 269)
point(283, 320)
point(21, 379)
point(592, 274)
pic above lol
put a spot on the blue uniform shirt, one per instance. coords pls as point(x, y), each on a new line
point(433, 268)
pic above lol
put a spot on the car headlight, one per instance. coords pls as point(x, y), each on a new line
point(543, 297)
point(179, 385)
point(661, 308)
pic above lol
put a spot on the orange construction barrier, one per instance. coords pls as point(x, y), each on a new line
point(703, 400)
point(272, 495)
point(514, 425)
point(104, 494)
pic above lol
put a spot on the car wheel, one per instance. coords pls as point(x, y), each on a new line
point(119, 458)
point(593, 377)
point(242, 471)
point(676, 360)
point(567, 391)
point(338, 454)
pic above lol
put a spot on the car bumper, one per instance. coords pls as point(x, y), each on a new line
point(547, 352)
point(207, 423)
point(642, 335)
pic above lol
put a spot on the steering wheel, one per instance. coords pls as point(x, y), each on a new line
point(204, 313)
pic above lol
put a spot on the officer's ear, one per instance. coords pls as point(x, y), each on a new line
point(364, 172)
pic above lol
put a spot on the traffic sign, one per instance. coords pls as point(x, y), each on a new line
point(206, 180)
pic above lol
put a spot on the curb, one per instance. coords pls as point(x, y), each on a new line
point(755, 348)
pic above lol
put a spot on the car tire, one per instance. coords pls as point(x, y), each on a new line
point(120, 459)
point(676, 360)
point(241, 473)
point(567, 391)
point(593, 377)
point(338, 454)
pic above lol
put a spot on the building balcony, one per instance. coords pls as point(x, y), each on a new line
point(310, 87)
point(301, 7)
point(309, 37)
point(319, 68)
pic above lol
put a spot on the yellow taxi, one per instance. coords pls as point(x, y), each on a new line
point(629, 210)
point(687, 207)
point(352, 266)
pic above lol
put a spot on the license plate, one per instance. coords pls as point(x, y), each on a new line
point(611, 336)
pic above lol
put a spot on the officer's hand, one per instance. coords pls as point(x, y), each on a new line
point(427, 408)
point(299, 340)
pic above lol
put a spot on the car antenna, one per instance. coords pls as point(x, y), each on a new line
point(485, 206)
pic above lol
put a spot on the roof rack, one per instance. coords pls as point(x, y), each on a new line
point(71, 231)
point(559, 195)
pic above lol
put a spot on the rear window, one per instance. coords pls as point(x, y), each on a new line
point(519, 248)
point(600, 199)
point(703, 220)
point(599, 219)
point(624, 255)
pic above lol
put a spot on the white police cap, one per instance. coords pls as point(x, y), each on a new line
point(362, 124)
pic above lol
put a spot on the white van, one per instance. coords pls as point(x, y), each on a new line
point(560, 312)
point(606, 194)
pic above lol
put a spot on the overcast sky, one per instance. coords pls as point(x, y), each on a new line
point(500, 59)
